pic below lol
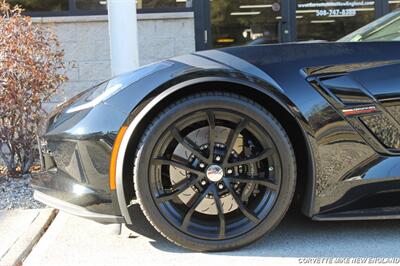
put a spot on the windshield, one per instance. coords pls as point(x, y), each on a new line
point(386, 28)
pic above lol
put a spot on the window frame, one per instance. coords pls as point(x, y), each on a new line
point(74, 11)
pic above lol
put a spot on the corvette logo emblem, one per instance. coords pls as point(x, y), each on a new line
point(360, 110)
point(215, 173)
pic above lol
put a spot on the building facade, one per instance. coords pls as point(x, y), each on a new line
point(86, 44)
point(169, 28)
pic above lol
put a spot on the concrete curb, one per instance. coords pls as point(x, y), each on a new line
point(24, 243)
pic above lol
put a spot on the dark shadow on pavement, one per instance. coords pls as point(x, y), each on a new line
point(142, 227)
point(298, 236)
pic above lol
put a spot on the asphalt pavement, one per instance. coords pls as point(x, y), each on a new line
point(76, 241)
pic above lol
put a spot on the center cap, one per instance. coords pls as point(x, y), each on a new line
point(215, 173)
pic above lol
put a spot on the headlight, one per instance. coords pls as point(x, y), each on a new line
point(99, 94)
point(105, 90)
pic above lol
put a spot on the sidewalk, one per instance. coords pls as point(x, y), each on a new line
point(75, 241)
point(20, 230)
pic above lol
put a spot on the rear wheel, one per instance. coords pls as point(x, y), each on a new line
point(214, 172)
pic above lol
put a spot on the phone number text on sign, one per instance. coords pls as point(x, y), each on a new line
point(336, 13)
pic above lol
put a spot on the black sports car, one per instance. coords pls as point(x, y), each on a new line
point(216, 145)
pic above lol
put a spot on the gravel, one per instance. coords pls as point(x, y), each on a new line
point(17, 193)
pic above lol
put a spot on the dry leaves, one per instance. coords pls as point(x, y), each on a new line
point(31, 70)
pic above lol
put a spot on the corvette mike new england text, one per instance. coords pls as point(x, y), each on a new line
point(352, 261)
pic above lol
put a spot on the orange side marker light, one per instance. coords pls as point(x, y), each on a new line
point(114, 155)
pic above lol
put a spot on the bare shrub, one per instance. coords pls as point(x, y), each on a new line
point(31, 70)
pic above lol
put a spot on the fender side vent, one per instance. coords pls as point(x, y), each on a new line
point(394, 110)
point(383, 129)
point(346, 90)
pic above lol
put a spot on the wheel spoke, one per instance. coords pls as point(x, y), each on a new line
point(193, 203)
point(233, 135)
point(178, 189)
point(248, 213)
point(178, 165)
point(188, 144)
point(254, 180)
point(264, 154)
point(211, 124)
point(220, 210)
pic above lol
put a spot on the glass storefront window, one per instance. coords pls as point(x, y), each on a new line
point(141, 4)
point(394, 4)
point(163, 3)
point(96, 5)
point(331, 19)
point(41, 6)
point(91, 4)
point(244, 21)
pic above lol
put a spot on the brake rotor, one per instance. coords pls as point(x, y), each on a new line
point(201, 138)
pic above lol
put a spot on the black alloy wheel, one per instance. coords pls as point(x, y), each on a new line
point(214, 172)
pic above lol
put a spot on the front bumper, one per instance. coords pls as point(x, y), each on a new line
point(77, 210)
point(75, 164)
point(57, 189)
point(77, 145)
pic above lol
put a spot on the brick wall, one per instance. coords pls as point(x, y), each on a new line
point(86, 43)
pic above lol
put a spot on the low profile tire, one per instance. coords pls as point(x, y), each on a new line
point(214, 172)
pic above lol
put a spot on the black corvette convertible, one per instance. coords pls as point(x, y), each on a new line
point(216, 145)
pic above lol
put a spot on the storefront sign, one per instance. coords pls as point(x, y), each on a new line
point(335, 8)
point(347, 4)
point(336, 12)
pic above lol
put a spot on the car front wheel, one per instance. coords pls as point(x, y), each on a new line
point(214, 171)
